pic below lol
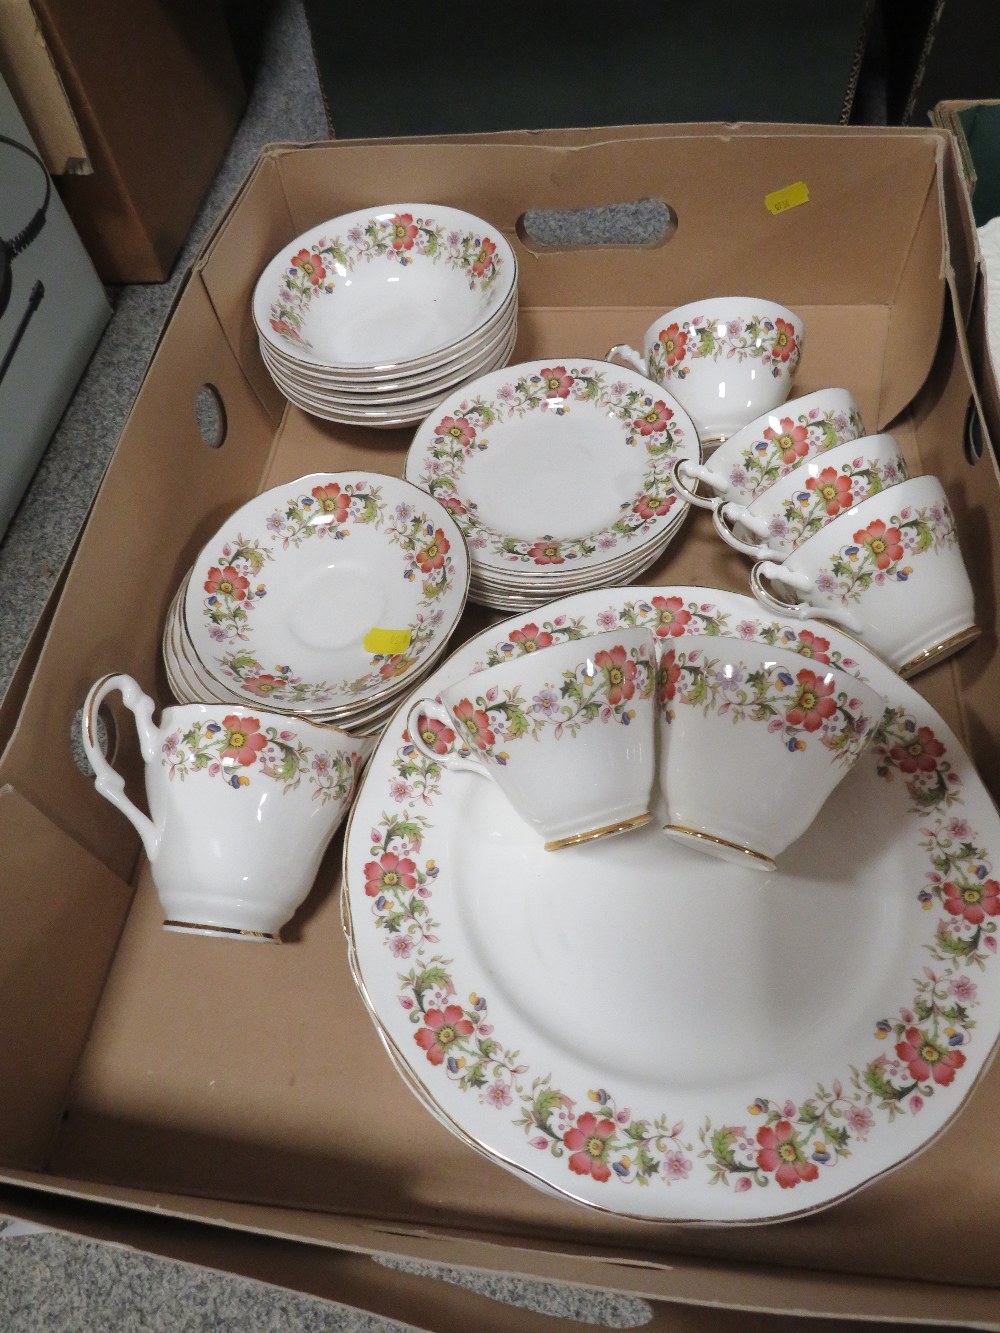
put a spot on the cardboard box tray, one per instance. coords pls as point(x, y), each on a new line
point(246, 1088)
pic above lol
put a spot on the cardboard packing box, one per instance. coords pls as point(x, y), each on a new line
point(233, 1105)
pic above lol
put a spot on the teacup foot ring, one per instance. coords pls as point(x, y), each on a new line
point(226, 932)
point(722, 848)
point(606, 831)
point(953, 644)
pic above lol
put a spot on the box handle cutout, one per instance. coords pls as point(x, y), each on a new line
point(643, 224)
point(210, 414)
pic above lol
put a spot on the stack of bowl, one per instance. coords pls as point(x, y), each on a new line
point(328, 598)
point(558, 473)
point(371, 318)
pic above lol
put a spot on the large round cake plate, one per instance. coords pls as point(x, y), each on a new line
point(319, 595)
point(554, 463)
point(629, 1012)
point(385, 287)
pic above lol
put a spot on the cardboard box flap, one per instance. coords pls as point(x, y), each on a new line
point(313, 1252)
point(62, 916)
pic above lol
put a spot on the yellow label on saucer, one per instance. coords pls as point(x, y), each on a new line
point(387, 642)
point(778, 201)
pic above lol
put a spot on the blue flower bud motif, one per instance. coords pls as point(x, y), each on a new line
point(452, 1065)
point(619, 1170)
point(380, 901)
point(234, 782)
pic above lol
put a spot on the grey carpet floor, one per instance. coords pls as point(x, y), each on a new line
point(59, 1283)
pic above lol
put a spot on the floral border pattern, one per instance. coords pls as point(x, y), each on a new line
point(880, 552)
point(797, 708)
point(238, 747)
point(781, 1141)
point(774, 343)
point(604, 689)
point(233, 588)
point(826, 495)
point(647, 423)
point(312, 273)
point(773, 456)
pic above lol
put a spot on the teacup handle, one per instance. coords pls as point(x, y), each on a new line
point(682, 468)
point(110, 783)
point(460, 760)
point(623, 355)
point(734, 513)
point(768, 569)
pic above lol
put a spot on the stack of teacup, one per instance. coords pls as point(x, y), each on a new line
point(735, 744)
point(839, 530)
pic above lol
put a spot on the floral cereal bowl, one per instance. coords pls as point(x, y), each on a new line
point(384, 287)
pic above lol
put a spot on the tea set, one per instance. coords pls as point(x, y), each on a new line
point(312, 634)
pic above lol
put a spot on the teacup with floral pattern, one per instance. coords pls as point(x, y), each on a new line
point(755, 739)
point(889, 570)
point(810, 496)
point(566, 734)
point(726, 359)
point(242, 805)
point(768, 448)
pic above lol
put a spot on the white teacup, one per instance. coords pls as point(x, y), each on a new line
point(756, 739)
point(242, 805)
point(889, 571)
point(726, 359)
point(764, 451)
point(810, 496)
point(566, 734)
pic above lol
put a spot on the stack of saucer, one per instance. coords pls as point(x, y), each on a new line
point(328, 597)
point(373, 317)
point(558, 472)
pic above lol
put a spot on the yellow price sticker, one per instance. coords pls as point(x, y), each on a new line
point(387, 642)
point(779, 201)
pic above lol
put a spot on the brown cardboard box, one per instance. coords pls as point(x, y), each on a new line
point(157, 93)
point(245, 1090)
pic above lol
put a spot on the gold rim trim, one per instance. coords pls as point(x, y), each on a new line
point(721, 842)
point(940, 651)
point(171, 924)
point(606, 830)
